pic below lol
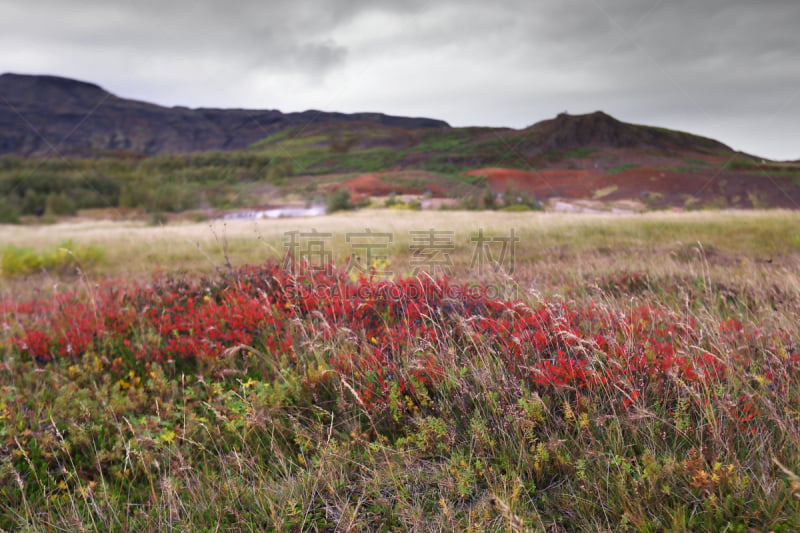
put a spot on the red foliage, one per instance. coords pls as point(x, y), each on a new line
point(389, 335)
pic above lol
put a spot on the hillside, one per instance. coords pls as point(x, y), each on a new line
point(604, 131)
point(592, 157)
point(49, 114)
point(135, 155)
point(559, 142)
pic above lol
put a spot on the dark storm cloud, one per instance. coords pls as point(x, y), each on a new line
point(724, 68)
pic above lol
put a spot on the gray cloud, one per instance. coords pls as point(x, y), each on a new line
point(725, 68)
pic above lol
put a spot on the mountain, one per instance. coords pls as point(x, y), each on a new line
point(42, 115)
point(592, 157)
point(599, 130)
point(48, 114)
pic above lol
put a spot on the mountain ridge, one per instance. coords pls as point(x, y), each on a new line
point(236, 157)
point(44, 113)
point(54, 115)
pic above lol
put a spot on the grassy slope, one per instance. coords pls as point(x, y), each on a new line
point(312, 150)
point(440, 150)
point(321, 153)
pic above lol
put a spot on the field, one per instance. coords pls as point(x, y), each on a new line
point(403, 371)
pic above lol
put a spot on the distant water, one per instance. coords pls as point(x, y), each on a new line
point(278, 212)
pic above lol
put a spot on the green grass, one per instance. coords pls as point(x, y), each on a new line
point(66, 257)
point(444, 151)
point(516, 208)
point(621, 168)
point(694, 162)
point(579, 153)
point(320, 160)
point(449, 141)
point(478, 181)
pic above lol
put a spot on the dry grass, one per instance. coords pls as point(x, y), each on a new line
point(133, 249)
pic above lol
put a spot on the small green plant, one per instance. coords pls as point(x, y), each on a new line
point(65, 257)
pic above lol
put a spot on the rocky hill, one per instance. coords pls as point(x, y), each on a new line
point(48, 114)
point(41, 115)
point(599, 130)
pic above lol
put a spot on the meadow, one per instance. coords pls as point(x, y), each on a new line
point(403, 371)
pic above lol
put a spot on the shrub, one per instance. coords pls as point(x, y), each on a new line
point(513, 197)
point(489, 199)
point(83, 190)
point(33, 203)
point(19, 261)
point(158, 218)
point(338, 201)
point(172, 197)
point(741, 163)
point(9, 210)
point(279, 170)
point(133, 195)
point(65, 257)
point(59, 204)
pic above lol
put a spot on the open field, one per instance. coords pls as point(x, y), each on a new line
point(135, 248)
point(622, 373)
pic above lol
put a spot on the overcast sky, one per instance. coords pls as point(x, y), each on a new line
point(728, 69)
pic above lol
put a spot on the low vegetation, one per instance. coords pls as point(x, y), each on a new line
point(40, 187)
point(67, 257)
point(573, 395)
point(305, 163)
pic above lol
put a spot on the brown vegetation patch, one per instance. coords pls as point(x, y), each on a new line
point(400, 182)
